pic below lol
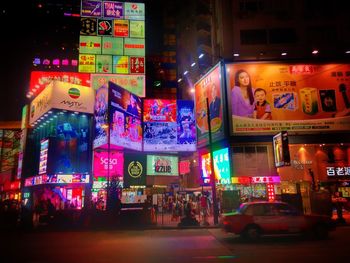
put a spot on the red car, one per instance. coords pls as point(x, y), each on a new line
point(254, 219)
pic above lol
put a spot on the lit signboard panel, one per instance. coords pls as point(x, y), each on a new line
point(281, 149)
point(104, 64)
point(91, 8)
point(121, 28)
point(44, 148)
point(87, 63)
point(90, 45)
point(104, 27)
point(112, 46)
point(134, 47)
point(121, 64)
point(88, 26)
point(133, 83)
point(162, 165)
point(113, 167)
point(137, 29)
point(61, 95)
point(221, 167)
point(134, 11)
point(112, 9)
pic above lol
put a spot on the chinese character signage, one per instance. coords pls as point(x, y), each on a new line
point(264, 98)
point(90, 8)
point(121, 28)
point(134, 11)
point(112, 165)
point(112, 9)
point(87, 63)
point(338, 171)
point(88, 26)
point(137, 29)
point(221, 167)
point(162, 165)
point(90, 45)
point(105, 27)
point(134, 47)
point(112, 46)
point(137, 65)
point(44, 148)
point(209, 87)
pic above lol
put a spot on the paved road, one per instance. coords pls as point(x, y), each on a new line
point(198, 245)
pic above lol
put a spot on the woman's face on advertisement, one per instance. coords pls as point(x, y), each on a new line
point(243, 79)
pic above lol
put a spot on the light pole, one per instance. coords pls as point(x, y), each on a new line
point(212, 177)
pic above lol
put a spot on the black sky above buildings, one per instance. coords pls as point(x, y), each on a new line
point(37, 28)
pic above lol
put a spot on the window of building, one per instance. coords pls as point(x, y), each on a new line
point(322, 34)
point(282, 36)
point(253, 37)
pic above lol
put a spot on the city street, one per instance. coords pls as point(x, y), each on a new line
point(191, 245)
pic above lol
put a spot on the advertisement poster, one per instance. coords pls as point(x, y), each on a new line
point(125, 120)
point(210, 86)
point(90, 45)
point(112, 46)
point(135, 11)
point(115, 164)
point(160, 136)
point(101, 117)
point(137, 65)
point(112, 9)
point(186, 126)
point(39, 79)
point(162, 165)
point(265, 98)
point(104, 64)
point(121, 28)
point(281, 149)
point(221, 167)
point(137, 29)
point(121, 64)
point(104, 27)
point(135, 166)
point(87, 63)
point(134, 47)
point(69, 149)
point(133, 83)
point(91, 8)
point(159, 110)
point(44, 148)
point(88, 26)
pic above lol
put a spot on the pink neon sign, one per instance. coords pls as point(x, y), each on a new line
point(116, 164)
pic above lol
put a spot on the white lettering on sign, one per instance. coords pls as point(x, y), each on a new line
point(338, 171)
point(104, 162)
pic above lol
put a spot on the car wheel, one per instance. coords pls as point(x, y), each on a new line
point(321, 231)
point(252, 233)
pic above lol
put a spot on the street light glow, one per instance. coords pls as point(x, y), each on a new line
point(186, 72)
point(201, 55)
point(315, 52)
point(236, 54)
point(193, 64)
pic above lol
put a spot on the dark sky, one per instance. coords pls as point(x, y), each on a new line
point(39, 28)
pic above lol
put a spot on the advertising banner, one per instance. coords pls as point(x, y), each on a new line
point(137, 29)
point(91, 8)
point(134, 170)
point(39, 79)
point(210, 86)
point(265, 98)
point(162, 165)
point(44, 148)
point(65, 96)
point(125, 118)
point(133, 83)
point(112, 9)
point(135, 11)
point(121, 28)
point(104, 27)
point(104, 64)
point(87, 63)
point(186, 126)
point(158, 110)
point(137, 65)
point(101, 117)
point(115, 166)
point(134, 47)
point(221, 167)
point(90, 45)
point(281, 149)
point(160, 136)
point(121, 64)
point(112, 46)
point(88, 26)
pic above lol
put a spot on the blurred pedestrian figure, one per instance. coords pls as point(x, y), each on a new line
point(204, 210)
point(338, 203)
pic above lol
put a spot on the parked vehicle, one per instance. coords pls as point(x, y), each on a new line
point(254, 219)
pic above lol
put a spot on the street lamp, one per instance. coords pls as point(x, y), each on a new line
point(212, 177)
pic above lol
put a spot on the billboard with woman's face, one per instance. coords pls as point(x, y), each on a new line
point(265, 98)
point(209, 87)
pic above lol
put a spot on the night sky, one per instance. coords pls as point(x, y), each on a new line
point(39, 28)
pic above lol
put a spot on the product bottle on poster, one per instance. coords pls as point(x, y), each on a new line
point(308, 97)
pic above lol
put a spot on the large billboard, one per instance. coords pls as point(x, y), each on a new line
point(162, 165)
point(125, 118)
point(169, 125)
point(65, 96)
point(133, 83)
point(134, 170)
point(265, 98)
point(210, 87)
point(101, 117)
point(281, 149)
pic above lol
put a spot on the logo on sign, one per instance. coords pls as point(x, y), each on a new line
point(74, 93)
point(162, 166)
point(135, 169)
